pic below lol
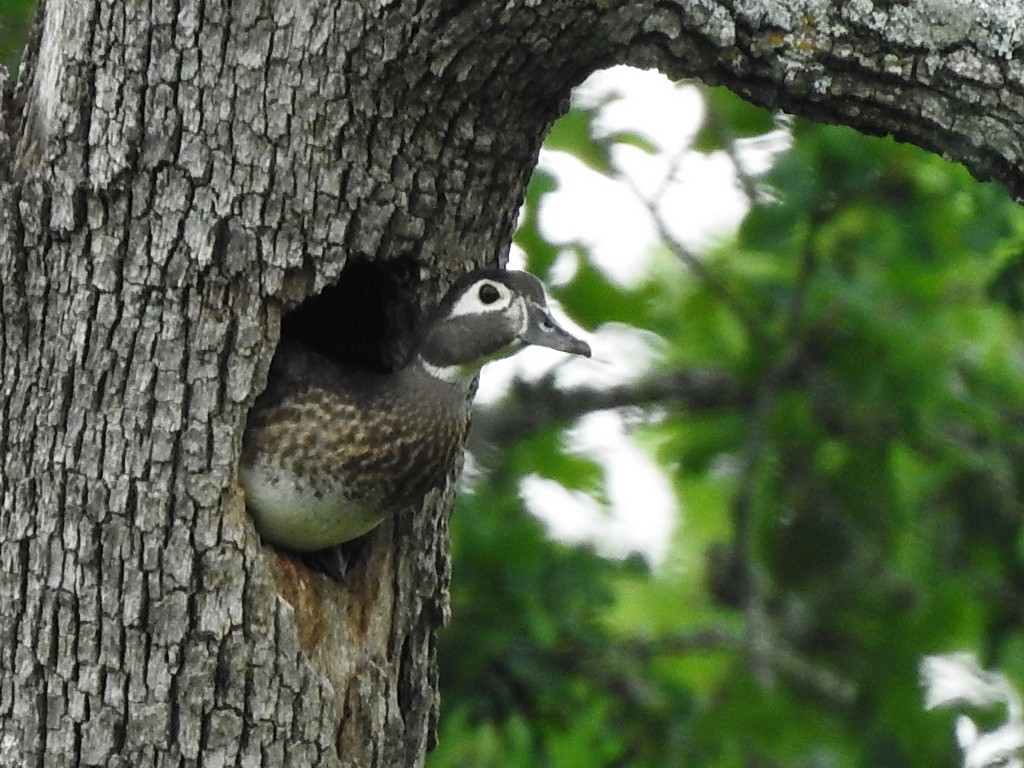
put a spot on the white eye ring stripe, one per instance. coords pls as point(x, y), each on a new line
point(469, 302)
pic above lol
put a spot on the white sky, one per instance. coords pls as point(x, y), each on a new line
point(700, 199)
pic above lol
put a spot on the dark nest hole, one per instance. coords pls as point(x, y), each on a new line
point(366, 320)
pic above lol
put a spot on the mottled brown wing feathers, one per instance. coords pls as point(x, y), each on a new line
point(386, 439)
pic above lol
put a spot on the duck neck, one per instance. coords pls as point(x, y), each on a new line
point(461, 377)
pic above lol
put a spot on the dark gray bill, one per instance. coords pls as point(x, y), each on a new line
point(543, 331)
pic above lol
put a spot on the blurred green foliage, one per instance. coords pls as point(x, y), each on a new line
point(870, 512)
point(15, 19)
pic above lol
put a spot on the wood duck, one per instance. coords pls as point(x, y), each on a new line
point(328, 453)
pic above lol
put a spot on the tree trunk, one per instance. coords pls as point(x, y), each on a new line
point(177, 176)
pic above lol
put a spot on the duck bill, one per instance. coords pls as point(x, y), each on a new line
point(543, 331)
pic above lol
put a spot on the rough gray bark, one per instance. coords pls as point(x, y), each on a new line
point(177, 175)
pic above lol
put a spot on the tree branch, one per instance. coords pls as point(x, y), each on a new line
point(788, 661)
point(530, 406)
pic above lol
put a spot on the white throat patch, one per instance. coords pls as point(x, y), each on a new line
point(451, 374)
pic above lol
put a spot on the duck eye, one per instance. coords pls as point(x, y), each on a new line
point(488, 293)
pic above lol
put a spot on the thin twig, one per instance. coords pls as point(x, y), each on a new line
point(788, 661)
point(723, 131)
point(694, 263)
